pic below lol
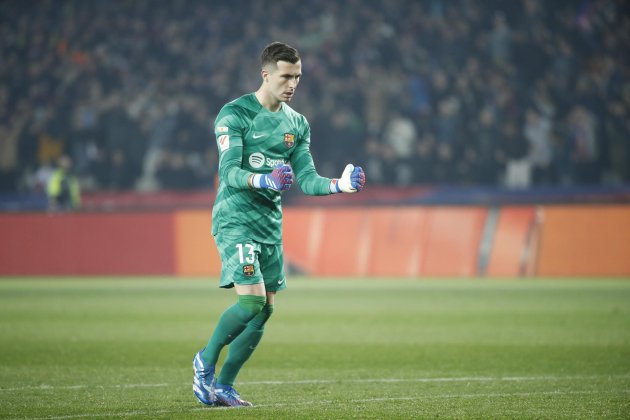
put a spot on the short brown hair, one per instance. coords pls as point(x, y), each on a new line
point(278, 51)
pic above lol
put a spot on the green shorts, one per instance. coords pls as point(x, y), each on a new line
point(245, 261)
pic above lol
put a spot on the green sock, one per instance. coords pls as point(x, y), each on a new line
point(232, 323)
point(243, 347)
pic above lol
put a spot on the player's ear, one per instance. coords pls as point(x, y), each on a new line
point(265, 75)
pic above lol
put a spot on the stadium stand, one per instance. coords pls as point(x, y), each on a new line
point(441, 93)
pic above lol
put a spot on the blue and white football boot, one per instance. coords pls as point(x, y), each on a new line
point(228, 397)
point(203, 378)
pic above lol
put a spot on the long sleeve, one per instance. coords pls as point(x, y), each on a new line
point(230, 170)
point(229, 136)
point(310, 182)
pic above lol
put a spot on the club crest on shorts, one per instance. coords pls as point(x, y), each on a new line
point(248, 270)
point(289, 139)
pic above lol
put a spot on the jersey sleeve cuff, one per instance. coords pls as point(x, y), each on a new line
point(334, 186)
point(256, 180)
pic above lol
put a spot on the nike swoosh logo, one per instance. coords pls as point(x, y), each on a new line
point(257, 136)
point(280, 281)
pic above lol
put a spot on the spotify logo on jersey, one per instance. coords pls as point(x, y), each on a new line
point(256, 160)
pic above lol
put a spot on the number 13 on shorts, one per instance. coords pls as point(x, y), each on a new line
point(246, 256)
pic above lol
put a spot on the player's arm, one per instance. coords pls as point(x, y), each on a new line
point(229, 135)
point(311, 183)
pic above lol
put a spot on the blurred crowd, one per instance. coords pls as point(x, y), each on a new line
point(458, 92)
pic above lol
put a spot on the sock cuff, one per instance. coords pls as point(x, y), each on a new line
point(252, 304)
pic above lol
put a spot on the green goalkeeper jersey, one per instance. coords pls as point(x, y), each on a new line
point(251, 139)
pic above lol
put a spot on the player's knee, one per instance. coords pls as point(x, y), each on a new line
point(252, 305)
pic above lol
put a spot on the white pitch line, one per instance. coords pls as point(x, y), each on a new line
point(446, 396)
point(428, 380)
point(328, 402)
point(334, 381)
point(45, 387)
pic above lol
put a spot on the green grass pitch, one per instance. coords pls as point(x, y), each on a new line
point(336, 348)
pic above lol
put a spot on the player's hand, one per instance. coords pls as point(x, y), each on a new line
point(352, 179)
point(280, 179)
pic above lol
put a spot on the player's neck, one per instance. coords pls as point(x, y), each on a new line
point(267, 101)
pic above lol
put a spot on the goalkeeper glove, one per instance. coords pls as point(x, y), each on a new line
point(280, 179)
point(351, 181)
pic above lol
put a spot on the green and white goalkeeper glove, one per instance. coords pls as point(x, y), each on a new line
point(351, 181)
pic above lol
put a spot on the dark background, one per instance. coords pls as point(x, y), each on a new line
point(461, 93)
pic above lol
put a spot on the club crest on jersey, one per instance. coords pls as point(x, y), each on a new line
point(289, 139)
point(248, 270)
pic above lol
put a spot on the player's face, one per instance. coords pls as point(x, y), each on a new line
point(282, 80)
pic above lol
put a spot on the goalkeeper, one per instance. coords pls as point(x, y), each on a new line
point(263, 147)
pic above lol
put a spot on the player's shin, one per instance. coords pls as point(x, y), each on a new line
point(243, 346)
point(231, 324)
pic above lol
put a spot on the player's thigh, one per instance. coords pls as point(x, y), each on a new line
point(272, 267)
point(239, 260)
